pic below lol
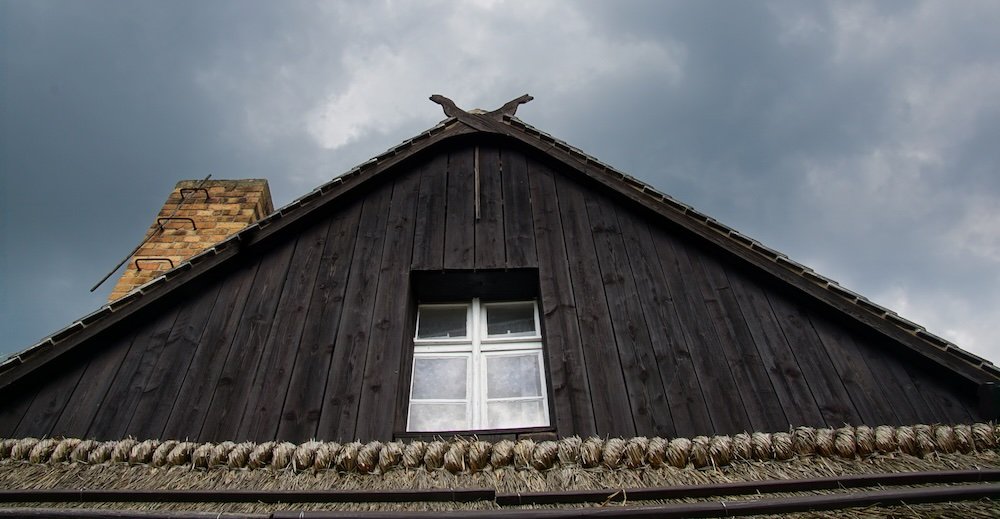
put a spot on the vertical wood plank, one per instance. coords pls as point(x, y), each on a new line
point(650, 410)
point(120, 403)
point(379, 390)
point(189, 412)
point(490, 242)
point(684, 397)
point(904, 397)
point(752, 383)
point(519, 238)
point(229, 399)
point(75, 420)
point(339, 415)
point(460, 238)
point(304, 398)
point(160, 392)
point(56, 388)
point(428, 233)
point(824, 383)
point(266, 396)
point(866, 391)
point(612, 411)
point(786, 377)
point(16, 403)
point(571, 390)
point(678, 261)
point(943, 405)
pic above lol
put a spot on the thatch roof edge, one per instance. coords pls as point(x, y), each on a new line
point(470, 455)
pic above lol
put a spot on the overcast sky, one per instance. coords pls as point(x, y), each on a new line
point(862, 139)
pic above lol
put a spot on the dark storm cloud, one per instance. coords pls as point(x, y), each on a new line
point(102, 114)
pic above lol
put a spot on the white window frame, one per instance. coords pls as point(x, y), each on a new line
point(478, 347)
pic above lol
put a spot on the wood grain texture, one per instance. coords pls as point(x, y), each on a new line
point(190, 410)
point(388, 338)
point(16, 403)
point(822, 378)
point(786, 378)
point(566, 359)
point(162, 387)
point(612, 411)
point(304, 398)
point(75, 420)
point(519, 237)
point(51, 399)
point(111, 421)
point(650, 411)
point(684, 397)
point(872, 399)
point(429, 226)
point(230, 396)
point(684, 280)
point(266, 396)
point(460, 230)
point(490, 253)
point(339, 415)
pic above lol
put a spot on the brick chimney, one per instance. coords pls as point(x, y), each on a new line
point(197, 215)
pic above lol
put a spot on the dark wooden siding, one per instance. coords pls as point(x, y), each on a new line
point(647, 331)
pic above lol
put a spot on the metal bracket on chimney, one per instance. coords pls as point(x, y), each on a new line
point(160, 221)
point(188, 190)
point(137, 260)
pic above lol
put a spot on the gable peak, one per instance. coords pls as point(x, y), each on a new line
point(508, 109)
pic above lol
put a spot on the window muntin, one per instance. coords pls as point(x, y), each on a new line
point(503, 382)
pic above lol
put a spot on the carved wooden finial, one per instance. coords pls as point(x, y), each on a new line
point(450, 109)
point(510, 107)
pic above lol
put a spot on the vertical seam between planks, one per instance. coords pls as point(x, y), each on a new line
point(685, 333)
point(770, 381)
point(372, 317)
point(645, 322)
point(715, 328)
point(302, 328)
point(571, 289)
point(194, 353)
point(576, 312)
point(588, 200)
point(270, 326)
point(229, 352)
point(791, 349)
point(840, 376)
point(69, 396)
point(340, 321)
point(93, 415)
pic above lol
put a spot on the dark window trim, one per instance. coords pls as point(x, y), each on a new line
point(448, 286)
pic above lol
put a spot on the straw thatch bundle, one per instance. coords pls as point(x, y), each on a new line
point(505, 466)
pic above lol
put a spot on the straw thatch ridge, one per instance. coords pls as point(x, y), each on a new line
point(464, 455)
point(617, 466)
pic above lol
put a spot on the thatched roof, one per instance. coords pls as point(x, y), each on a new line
point(805, 469)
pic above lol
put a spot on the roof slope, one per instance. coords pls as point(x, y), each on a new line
point(899, 332)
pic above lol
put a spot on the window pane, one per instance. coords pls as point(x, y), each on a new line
point(510, 376)
point(441, 322)
point(439, 377)
point(510, 320)
point(522, 413)
point(437, 417)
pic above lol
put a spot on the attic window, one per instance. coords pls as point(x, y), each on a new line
point(477, 365)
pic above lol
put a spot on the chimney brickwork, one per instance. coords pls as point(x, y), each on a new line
point(189, 223)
